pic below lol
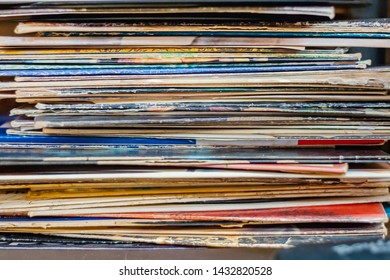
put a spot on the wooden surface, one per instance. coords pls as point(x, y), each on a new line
point(7, 253)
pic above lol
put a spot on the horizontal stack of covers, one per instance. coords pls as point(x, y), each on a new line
point(193, 123)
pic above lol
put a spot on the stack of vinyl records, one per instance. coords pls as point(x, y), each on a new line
point(194, 123)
